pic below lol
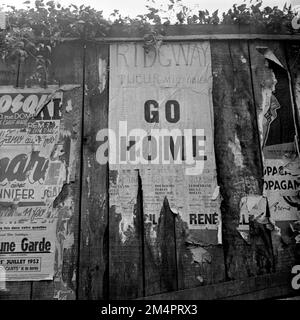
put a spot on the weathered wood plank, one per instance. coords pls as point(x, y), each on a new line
point(160, 252)
point(238, 158)
point(125, 235)
point(258, 287)
point(16, 291)
point(66, 69)
point(93, 260)
point(196, 30)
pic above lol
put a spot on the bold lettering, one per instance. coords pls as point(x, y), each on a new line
point(17, 103)
point(5, 103)
point(193, 218)
point(151, 115)
point(30, 104)
point(172, 111)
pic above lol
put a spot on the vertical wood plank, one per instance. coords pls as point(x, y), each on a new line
point(93, 260)
point(238, 157)
point(67, 69)
point(160, 253)
point(125, 235)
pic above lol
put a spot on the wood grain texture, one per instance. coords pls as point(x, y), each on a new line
point(160, 253)
point(94, 194)
point(67, 68)
point(238, 157)
point(125, 236)
point(257, 287)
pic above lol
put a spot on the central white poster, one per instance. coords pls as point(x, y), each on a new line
point(161, 123)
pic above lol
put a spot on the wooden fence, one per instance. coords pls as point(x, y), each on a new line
point(92, 261)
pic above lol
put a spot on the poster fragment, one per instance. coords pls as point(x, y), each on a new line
point(161, 123)
point(279, 141)
point(32, 174)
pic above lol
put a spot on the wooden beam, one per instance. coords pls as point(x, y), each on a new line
point(259, 287)
point(196, 37)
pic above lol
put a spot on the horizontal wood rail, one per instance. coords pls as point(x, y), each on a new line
point(193, 32)
point(253, 288)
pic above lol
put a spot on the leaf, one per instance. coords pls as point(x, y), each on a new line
point(242, 7)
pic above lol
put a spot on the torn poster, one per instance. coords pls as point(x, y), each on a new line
point(251, 207)
point(279, 139)
point(123, 189)
point(27, 251)
point(161, 123)
point(281, 184)
point(32, 174)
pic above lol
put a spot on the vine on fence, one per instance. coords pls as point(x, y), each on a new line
point(34, 32)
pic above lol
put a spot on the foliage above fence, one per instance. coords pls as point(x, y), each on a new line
point(28, 28)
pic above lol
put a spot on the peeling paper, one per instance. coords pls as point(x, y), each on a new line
point(216, 193)
point(276, 231)
point(174, 210)
point(280, 151)
point(69, 106)
point(236, 150)
point(200, 279)
point(102, 65)
point(200, 255)
point(123, 190)
point(254, 206)
point(54, 91)
point(268, 54)
point(245, 235)
point(64, 251)
point(271, 96)
point(218, 197)
point(219, 236)
point(72, 162)
point(295, 227)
